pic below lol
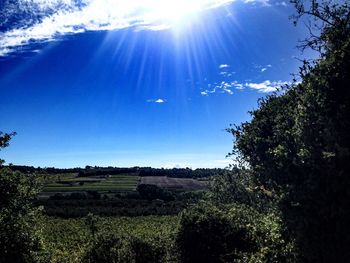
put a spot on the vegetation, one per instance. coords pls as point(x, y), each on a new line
point(297, 145)
point(71, 240)
point(93, 171)
point(81, 204)
point(232, 233)
point(19, 232)
point(73, 183)
point(286, 200)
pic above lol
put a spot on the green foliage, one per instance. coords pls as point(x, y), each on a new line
point(106, 249)
point(91, 223)
point(72, 182)
point(206, 235)
point(297, 144)
point(19, 232)
point(237, 186)
point(4, 141)
point(112, 249)
point(71, 240)
point(233, 233)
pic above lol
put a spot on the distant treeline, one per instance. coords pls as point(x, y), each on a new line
point(141, 171)
point(182, 173)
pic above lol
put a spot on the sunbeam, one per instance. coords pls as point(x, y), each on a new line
point(43, 21)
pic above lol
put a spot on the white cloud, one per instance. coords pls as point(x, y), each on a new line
point(39, 21)
point(223, 87)
point(157, 101)
point(266, 86)
point(262, 2)
point(262, 67)
point(283, 3)
point(227, 86)
point(224, 66)
point(263, 87)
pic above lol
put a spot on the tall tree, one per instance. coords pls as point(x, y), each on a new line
point(298, 143)
point(19, 231)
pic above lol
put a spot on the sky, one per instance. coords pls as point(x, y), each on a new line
point(137, 83)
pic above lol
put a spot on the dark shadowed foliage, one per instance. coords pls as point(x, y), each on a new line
point(298, 144)
point(109, 248)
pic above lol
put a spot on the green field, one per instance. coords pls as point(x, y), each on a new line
point(68, 239)
point(70, 182)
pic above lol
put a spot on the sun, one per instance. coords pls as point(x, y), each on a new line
point(174, 10)
point(164, 11)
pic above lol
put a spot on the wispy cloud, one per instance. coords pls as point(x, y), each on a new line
point(262, 2)
point(263, 68)
point(283, 3)
point(266, 86)
point(157, 101)
point(222, 87)
point(27, 22)
point(225, 70)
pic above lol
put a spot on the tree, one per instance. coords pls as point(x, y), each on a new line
point(4, 141)
point(231, 233)
point(19, 232)
point(298, 143)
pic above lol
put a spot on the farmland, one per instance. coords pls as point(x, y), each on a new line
point(68, 239)
point(114, 180)
point(187, 184)
point(117, 192)
point(71, 183)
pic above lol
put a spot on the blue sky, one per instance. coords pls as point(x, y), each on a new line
point(140, 83)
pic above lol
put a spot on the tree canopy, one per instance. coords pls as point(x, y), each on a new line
point(298, 142)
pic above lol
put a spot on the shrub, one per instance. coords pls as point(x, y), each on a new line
point(207, 235)
point(234, 233)
point(109, 248)
point(19, 235)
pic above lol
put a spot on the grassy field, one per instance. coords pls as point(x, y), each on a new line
point(70, 183)
point(68, 239)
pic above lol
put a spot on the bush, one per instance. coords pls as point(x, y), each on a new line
point(109, 248)
point(233, 233)
point(207, 235)
point(19, 236)
point(141, 251)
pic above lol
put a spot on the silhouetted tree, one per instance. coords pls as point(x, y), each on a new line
point(4, 141)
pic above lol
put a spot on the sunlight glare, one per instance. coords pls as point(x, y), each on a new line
point(161, 11)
